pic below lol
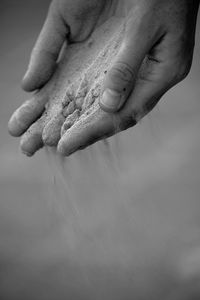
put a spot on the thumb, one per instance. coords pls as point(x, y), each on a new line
point(119, 80)
point(45, 52)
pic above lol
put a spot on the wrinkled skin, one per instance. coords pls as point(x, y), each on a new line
point(160, 34)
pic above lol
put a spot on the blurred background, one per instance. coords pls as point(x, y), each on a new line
point(158, 162)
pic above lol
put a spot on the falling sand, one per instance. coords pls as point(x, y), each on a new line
point(110, 241)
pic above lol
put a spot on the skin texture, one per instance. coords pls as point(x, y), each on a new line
point(156, 53)
point(142, 250)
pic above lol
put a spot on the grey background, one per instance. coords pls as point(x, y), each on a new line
point(160, 158)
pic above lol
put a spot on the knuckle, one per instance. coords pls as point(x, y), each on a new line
point(121, 73)
point(182, 62)
point(182, 72)
point(179, 71)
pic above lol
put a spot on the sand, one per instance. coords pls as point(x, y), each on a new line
point(133, 227)
point(72, 113)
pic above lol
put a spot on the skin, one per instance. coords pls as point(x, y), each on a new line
point(156, 54)
point(167, 29)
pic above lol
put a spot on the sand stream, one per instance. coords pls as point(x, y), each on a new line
point(119, 220)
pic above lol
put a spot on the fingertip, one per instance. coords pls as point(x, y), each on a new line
point(29, 145)
point(65, 150)
point(14, 127)
point(38, 74)
point(94, 127)
point(118, 85)
point(32, 141)
point(111, 101)
point(70, 141)
point(27, 83)
point(51, 132)
point(26, 114)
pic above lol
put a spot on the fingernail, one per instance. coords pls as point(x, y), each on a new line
point(111, 99)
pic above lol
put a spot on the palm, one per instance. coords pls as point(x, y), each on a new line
point(80, 16)
point(40, 117)
point(154, 55)
point(84, 16)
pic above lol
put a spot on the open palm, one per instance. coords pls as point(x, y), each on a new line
point(155, 54)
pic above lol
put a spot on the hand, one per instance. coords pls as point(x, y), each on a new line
point(67, 20)
point(161, 31)
point(156, 53)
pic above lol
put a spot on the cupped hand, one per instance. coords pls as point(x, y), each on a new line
point(155, 54)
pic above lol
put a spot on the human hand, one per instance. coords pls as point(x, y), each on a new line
point(67, 20)
point(156, 53)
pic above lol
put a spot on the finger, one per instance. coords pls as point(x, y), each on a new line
point(99, 124)
point(120, 79)
point(93, 127)
point(155, 78)
point(157, 74)
point(26, 114)
point(46, 51)
point(31, 141)
point(52, 130)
